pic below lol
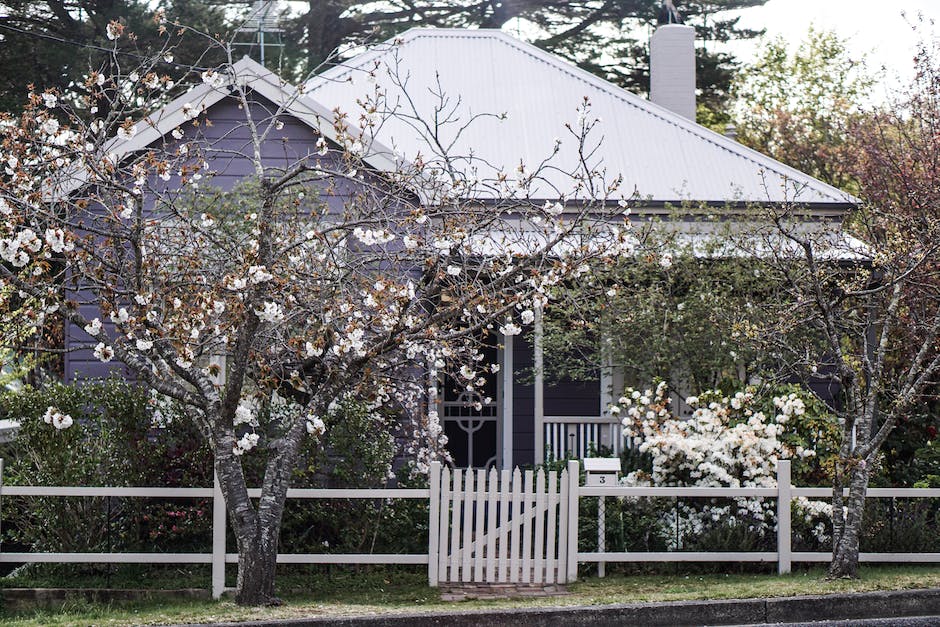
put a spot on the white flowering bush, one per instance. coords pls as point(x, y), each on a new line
point(730, 440)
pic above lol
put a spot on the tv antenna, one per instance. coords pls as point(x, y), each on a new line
point(263, 25)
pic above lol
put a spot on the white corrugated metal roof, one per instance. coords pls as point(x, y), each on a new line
point(663, 156)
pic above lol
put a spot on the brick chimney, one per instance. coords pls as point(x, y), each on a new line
point(672, 69)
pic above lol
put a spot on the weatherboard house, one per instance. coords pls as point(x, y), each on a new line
point(654, 145)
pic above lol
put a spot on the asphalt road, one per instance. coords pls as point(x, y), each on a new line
point(915, 621)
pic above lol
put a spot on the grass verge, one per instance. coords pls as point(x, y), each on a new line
point(349, 593)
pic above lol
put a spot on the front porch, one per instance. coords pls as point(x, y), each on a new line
point(530, 420)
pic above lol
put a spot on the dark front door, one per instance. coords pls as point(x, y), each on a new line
point(471, 418)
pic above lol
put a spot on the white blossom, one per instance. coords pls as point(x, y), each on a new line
point(127, 131)
point(120, 317)
point(259, 274)
point(213, 79)
point(103, 352)
point(372, 237)
point(247, 442)
point(50, 126)
point(315, 426)
point(114, 30)
point(55, 238)
point(243, 415)
point(271, 312)
point(93, 328)
point(57, 418)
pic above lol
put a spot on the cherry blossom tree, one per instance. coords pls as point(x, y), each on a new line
point(271, 292)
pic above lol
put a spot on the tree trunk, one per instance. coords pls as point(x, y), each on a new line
point(257, 564)
point(845, 537)
point(257, 528)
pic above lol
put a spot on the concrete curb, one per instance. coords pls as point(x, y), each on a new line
point(731, 612)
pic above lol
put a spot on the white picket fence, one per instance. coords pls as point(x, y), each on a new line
point(500, 528)
point(784, 493)
point(218, 557)
point(483, 526)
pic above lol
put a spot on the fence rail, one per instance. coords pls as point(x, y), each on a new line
point(784, 493)
point(478, 504)
point(218, 557)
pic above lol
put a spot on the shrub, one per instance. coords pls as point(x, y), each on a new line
point(357, 452)
point(732, 440)
point(120, 435)
point(110, 443)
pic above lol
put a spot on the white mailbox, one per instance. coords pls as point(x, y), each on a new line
point(601, 471)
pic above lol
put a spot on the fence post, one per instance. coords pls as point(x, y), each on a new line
point(601, 534)
point(218, 538)
point(784, 500)
point(1, 504)
point(574, 479)
point(434, 534)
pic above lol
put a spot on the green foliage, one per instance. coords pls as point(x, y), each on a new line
point(107, 440)
point(816, 430)
point(926, 465)
point(798, 105)
point(911, 452)
point(112, 443)
point(901, 526)
point(652, 319)
point(358, 452)
point(50, 44)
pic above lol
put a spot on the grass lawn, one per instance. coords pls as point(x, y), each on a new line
point(344, 592)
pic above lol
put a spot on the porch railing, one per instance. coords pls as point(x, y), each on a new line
point(583, 436)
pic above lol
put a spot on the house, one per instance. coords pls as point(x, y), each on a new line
point(519, 99)
point(656, 146)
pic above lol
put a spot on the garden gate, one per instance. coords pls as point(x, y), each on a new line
point(496, 527)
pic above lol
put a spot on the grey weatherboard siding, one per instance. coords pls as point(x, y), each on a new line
point(226, 138)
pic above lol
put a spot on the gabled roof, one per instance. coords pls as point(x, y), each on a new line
point(252, 75)
point(666, 158)
point(201, 97)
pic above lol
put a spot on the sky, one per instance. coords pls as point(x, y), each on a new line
point(875, 28)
